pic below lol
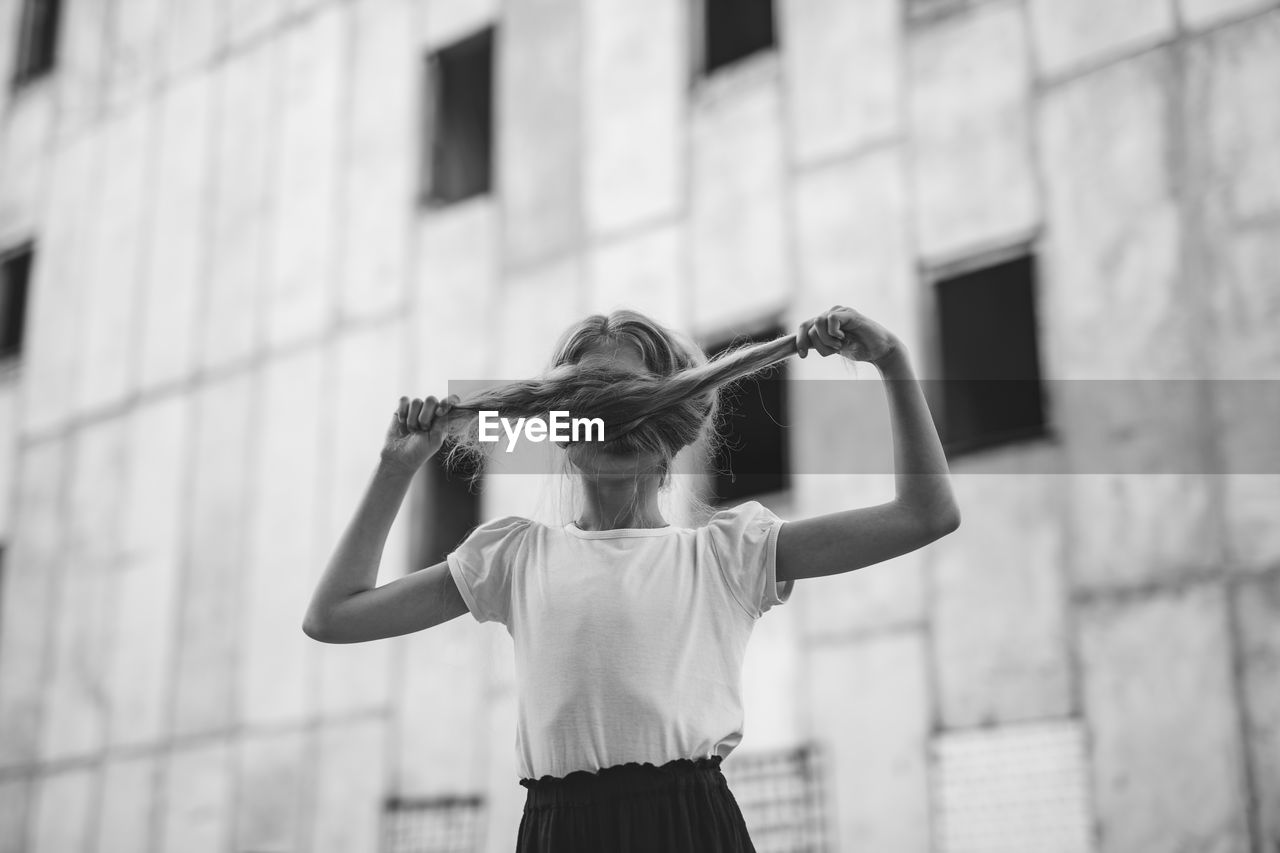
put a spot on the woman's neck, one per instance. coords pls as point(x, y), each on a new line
point(621, 503)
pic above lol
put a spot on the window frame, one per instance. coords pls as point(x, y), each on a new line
point(932, 273)
point(26, 69)
point(7, 256)
point(431, 104)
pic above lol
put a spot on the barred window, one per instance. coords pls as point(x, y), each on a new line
point(781, 797)
point(452, 824)
point(1014, 788)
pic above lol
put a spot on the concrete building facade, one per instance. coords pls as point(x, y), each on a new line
point(235, 277)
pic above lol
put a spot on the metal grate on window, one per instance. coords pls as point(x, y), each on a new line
point(781, 797)
point(1014, 788)
point(452, 824)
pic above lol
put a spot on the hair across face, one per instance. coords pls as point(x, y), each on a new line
point(655, 390)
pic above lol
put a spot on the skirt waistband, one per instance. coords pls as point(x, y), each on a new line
point(623, 780)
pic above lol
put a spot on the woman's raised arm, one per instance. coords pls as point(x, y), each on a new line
point(346, 606)
point(923, 509)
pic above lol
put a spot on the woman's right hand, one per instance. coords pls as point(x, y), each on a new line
point(417, 430)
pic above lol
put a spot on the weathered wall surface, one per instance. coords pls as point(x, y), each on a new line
point(235, 282)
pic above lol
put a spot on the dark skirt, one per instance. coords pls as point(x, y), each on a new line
point(683, 806)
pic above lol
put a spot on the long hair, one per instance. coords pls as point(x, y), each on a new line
point(669, 406)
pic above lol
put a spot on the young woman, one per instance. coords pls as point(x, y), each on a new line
point(630, 632)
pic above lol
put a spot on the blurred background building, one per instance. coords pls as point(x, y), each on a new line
point(234, 232)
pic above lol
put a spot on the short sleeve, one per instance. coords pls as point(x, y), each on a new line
point(481, 567)
point(744, 543)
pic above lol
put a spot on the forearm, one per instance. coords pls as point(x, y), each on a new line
point(354, 565)
point(921, 475)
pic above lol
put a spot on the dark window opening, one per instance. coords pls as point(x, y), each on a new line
point(458, 160)
point(449, 508)
point(15, 277)
point(37, 39)
point(435, 824)
point(734, 29)
point(752, 457)
point(990, 363)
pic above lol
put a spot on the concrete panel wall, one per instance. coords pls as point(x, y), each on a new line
point(144, 585)
point(869, 707)
point(128, 803)
point(75, 713)
point(739, 237)
point(223, 450)
point(250, 20)
point(32, 570)
point(83, 64)
point(194, 32)
point(197, 798)
point(362, 380)
point(853, 242)
point(242, 201)
point(1167, 770)
point(380, 147)
point(135, 34)
point(1201, 14)
point(172, 286)
point(1234, 164)
point(15, 805)
point(64, 811)
point(635, 82)
point(454, 296)
point(1258, 606)
point(539, 107)
point(114, 268)
point(274, 783)
point(843, 65)
point(1005, 562)
point(440, 22)
point(276, 671)
point(55, 316)
point(26, 140)
point(442, 692)
point(351, 786)
point(535, 310)
point(1070, 35)
point(300, 295)
point(970, 131)
point(647, 271)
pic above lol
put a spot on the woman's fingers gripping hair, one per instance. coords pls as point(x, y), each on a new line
point(426, 414)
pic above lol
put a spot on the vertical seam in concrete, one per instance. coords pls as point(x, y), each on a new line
point(583, 239)
point(924, 315)
point(177, 634)
point(340, 235)
point(689, 56)
point(1187, 177)
point(792, 263)
point(61, 561)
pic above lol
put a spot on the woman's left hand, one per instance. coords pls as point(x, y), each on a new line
point(851, 333)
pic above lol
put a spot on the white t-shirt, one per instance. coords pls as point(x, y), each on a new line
point(628, 643)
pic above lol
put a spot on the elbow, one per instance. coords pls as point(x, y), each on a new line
point(314, 629)
point(944, 523)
